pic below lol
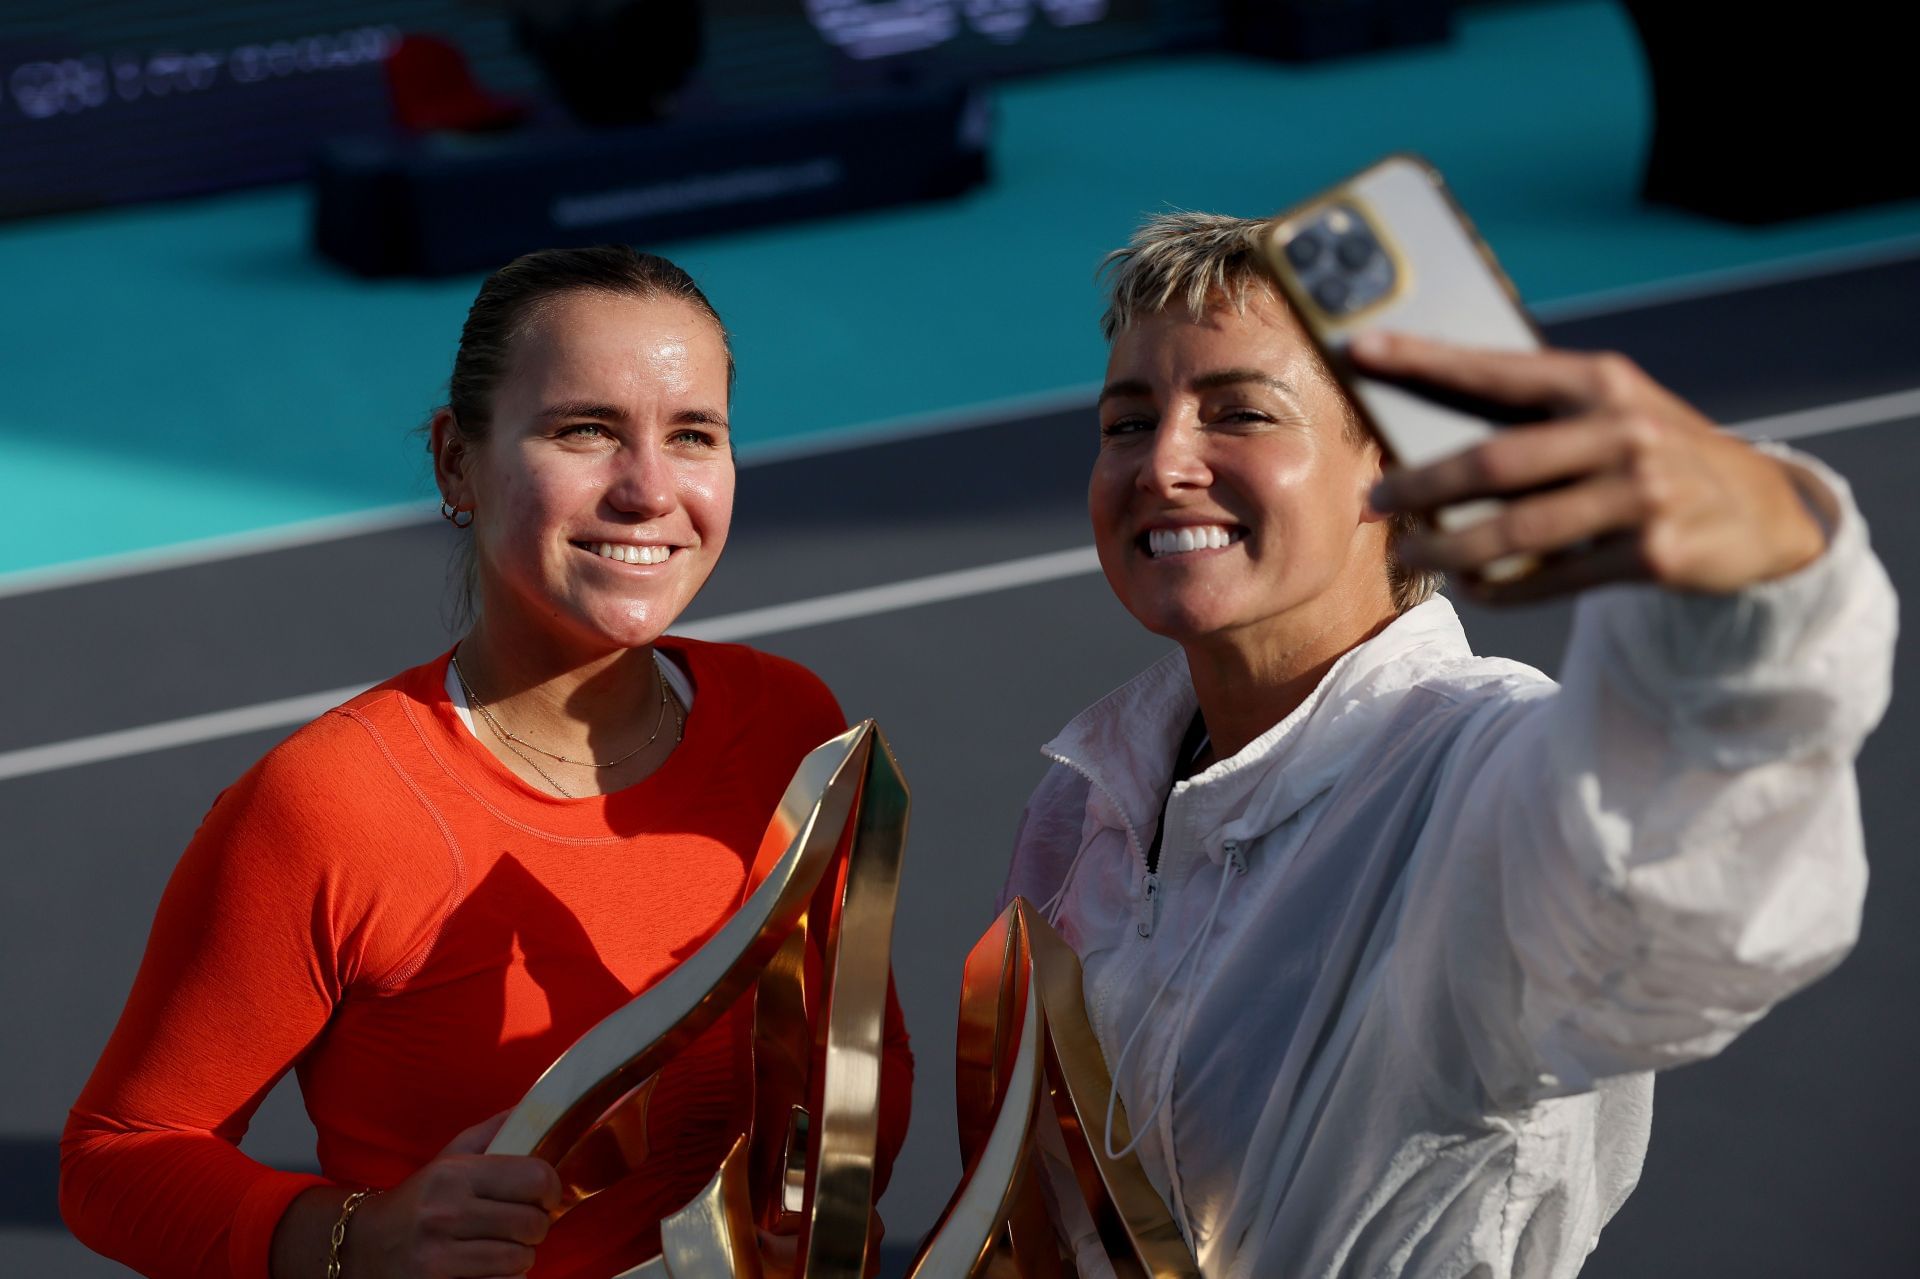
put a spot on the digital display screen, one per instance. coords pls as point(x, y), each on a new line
point(126, 100)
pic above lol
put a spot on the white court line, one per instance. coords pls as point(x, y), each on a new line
point(1828, 418)
point(780, 618)
point(753, 622)
point(1734, 279)
point(867, 601)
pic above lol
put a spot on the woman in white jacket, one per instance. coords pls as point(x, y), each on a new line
point(1382, 940)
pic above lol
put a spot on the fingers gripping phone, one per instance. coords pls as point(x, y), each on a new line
point(1390, 249)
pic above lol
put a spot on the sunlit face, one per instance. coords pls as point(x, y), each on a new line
point(602, 495)
point(1228, 499)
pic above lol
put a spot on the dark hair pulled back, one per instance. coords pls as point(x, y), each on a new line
point(512, 298)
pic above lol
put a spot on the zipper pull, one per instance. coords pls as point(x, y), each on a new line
point(1144, 919)
point(1231, 849)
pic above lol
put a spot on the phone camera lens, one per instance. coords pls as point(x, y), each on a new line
point(1303, 250)
point(1332, 294)
point(1355, 251)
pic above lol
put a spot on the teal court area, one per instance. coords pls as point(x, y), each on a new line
point(180, 373)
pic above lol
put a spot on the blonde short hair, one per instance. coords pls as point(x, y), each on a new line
point(1202, 261)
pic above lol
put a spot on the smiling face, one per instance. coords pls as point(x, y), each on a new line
point(1229, 496)
point(603, 490)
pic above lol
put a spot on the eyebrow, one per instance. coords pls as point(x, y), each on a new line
point(1233, 377)
point(583, 408)
point(1135, 388)
point(575, 409)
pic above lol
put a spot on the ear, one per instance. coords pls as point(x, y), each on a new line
point(452, 460)
point(1371, 471)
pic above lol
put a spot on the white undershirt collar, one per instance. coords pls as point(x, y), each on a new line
point(669, 669)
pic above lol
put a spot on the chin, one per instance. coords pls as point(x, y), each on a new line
point(637, 635)
point(635, 627)
point(1188, 622)
point(1181, 625)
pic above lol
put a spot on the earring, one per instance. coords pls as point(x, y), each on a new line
point(451, 514)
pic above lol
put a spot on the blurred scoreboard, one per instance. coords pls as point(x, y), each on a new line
point(110, 101)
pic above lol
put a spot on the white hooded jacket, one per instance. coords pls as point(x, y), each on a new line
point(1412, 1037)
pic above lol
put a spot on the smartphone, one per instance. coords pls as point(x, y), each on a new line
point(1390, 249)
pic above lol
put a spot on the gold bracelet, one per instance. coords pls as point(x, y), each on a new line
point(348, 1207)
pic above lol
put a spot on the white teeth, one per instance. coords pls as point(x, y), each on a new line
point(628, 554)
point(1169, 541)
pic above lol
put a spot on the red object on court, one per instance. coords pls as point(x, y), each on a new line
point(432, 87)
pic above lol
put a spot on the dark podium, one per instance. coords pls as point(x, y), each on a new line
point(441, 204)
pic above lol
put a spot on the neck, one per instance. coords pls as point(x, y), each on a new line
point(1249, 681)
point(581, 706)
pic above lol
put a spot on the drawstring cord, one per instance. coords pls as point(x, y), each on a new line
point(1051, 908)
point(1233, 863)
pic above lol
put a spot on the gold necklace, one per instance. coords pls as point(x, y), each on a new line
point(514, 742)
point(544, 774)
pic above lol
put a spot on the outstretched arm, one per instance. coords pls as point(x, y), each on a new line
point(1631, 870)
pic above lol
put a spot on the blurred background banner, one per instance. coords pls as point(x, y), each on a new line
point(128, 100)
point(216, 515)
point(118, 103)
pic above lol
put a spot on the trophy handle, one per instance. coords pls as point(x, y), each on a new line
point(843, 1128)
point(782, 1068)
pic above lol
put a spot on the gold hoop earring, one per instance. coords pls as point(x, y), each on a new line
point(451, 514)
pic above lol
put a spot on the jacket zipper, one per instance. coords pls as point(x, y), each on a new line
point(1096, 999)
point(1146, 915)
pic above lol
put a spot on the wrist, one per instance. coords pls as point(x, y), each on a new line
point(342, 1226)
point(1804, 527)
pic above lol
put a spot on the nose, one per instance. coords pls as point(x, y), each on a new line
point(1176, 460)
point(643, 480)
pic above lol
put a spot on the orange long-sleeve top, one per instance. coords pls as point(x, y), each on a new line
point(382, 906)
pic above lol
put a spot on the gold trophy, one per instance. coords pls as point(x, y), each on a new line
point(1028, 1068)
point(805, 1169)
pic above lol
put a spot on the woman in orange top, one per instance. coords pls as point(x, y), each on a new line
point(422, 898)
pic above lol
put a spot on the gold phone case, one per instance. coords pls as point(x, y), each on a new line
point(1445, 284)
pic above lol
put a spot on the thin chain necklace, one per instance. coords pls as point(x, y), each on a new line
point(514, 742)
point(545, 776)
point(659, 721)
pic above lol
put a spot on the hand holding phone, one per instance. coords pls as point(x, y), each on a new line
point(1627, 482)
point(1541, 471)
